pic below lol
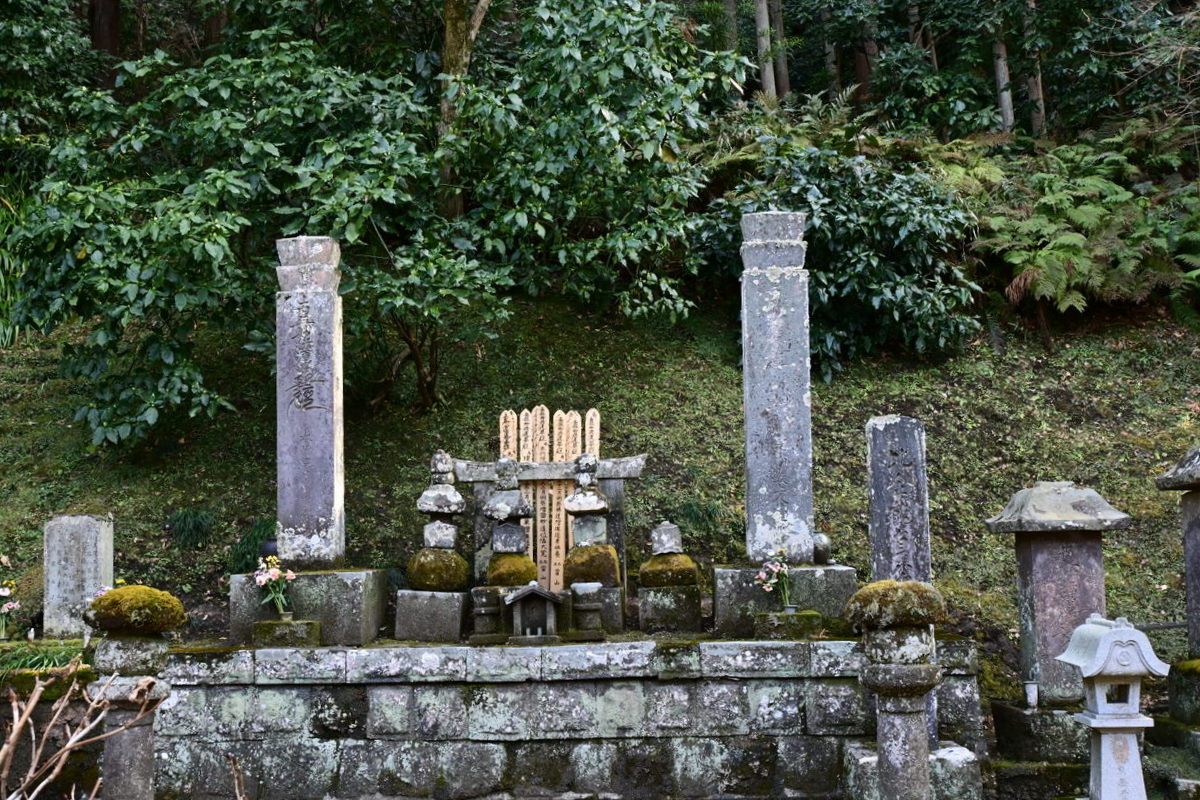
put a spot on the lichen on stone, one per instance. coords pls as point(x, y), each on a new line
point(669, 569)
point(593, 563)
point(511, 569)
point(437, 570)
point(889, 604)
point(137, 610)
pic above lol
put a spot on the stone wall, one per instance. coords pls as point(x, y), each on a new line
point(630, 719)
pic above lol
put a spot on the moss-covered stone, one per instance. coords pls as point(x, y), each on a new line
point(887, 604)
point(436, 570)
point(592, 563)
point(787, 625)
point(286, 633)
point(137, 610)
point(669, 569)
point(511, 569)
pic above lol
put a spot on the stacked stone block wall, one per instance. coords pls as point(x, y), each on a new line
point(628, 719)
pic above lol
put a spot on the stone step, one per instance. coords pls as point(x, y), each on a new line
point(954, 772)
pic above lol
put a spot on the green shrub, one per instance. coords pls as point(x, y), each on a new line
point(243, 556)
point(190, 527)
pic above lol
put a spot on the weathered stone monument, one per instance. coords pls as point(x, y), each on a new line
point(898, 500)
point(434, 607)
point(348, 603)
point(669, 584)
point(1060, 577)
point(1112, 658)
point(778, 407)
point(1184, 680)
point(308, 404)
point(78, 556)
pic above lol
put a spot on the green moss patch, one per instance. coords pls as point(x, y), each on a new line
point(138, 610)
point(435, 570)
point(669, 569)
point(592, 563)
point(887, 604)
point(511, 569)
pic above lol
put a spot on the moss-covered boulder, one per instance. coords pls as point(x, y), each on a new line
point(592, 563)
point(669, 569)
point(890, 604)
point(511, 569)
point(437, 570)
point(137, 611)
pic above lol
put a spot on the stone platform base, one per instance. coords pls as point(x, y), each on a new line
point(737, 597)
point(1031, 780)
point(954, 773)
point(286, 633)
point(349, 604)
point(430, 616)
point(669, 608)
point(1040, 734)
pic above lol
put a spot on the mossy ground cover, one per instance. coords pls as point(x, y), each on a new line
point(1113, 406)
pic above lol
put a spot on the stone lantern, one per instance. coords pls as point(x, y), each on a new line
point(1113, 657)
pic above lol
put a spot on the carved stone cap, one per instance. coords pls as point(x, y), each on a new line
point(1103, 648)
point(1057, 506)
point(308, 263)
point(1184, 476)
point(773, 226)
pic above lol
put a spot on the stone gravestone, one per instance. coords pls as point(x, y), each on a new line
point(898, 509)
point(78, 558)
point(777, 398)
point(308, 325)
point(898, 500)
point(1060, 577)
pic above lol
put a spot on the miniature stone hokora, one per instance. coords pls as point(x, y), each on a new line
point(308, 324)
point(1112, 658)
point(1060, 577)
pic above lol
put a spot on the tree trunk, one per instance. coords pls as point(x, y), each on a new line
point(1003, 83)
point(831, 56)
point(104, 21)
point(762, 26)
point(783, 82)
point(461, 29)
point(731, 25)
point(1033, 83)
point(214, 26)
point(866, 56)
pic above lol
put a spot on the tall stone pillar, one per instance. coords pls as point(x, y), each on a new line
point(1060, 578)
point(308, 314)
point(77, 552)
point(775, 355)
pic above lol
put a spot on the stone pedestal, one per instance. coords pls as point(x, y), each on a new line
point(491, 618)
point(78, 558)
point(286, 633)
point(349, 604)
point(954, 773)
point(775, 381)
point(430, 616)
point(612, 609)
point(308, 408)
point(669, 608)
point(787, 624)
point(127, 763)
point(737, 597)
point(1039, 734)
point(130, 655)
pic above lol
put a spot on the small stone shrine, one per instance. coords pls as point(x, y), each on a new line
point(534, 615)
point(777, 399)
point(434, 607)
point(669, 585)
point(592, 559)
point(1112, 658)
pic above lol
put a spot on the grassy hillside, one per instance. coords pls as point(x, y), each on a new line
point(1113, 407)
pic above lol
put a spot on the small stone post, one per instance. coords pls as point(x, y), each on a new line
point(127, 763)
point(308, 336)
point(1060, 577)
point(1185, 477)
point(775, 355)
point(78, 557)
point(669, 584)
point(897, 619)
point(1112, 658)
